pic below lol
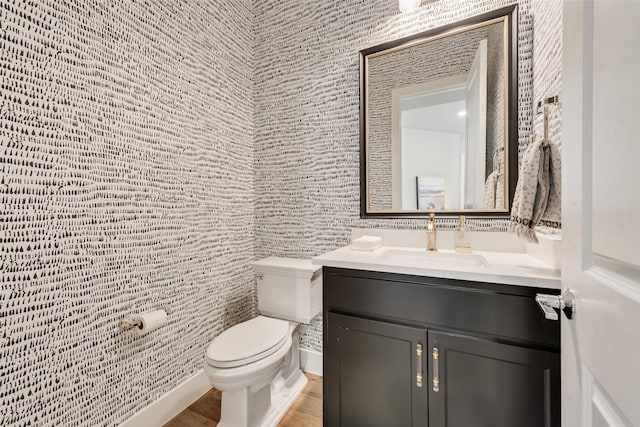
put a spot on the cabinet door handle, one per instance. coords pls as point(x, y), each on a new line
point(436, 373)
point(419, 362)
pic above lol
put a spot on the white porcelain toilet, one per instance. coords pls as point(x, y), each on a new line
point(256, 364)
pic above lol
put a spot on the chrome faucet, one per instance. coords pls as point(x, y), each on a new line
point(431, 233)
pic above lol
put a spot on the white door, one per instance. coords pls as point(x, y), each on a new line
point(601, 212)
point(476, 129)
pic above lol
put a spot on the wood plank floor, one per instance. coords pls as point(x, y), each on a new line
point(305, 412)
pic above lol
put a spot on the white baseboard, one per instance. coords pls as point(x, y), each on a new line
point(311, 361)
point(172, 403)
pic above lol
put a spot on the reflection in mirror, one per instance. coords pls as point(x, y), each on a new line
point(436, 122)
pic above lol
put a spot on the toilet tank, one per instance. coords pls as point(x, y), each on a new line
point(289, 288)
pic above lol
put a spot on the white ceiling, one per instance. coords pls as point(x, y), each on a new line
point(435, 112)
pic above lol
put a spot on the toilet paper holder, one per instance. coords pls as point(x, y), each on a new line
point(129, 321)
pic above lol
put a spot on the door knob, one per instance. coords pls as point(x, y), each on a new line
point(549, 303)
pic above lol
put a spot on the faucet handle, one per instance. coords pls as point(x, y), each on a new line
point(431, 233)
point(431, 224)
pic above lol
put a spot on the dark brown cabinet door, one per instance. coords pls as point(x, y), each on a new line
point(372, 374)
point(488, 384)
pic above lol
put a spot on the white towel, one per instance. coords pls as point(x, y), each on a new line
point(500, 204)
point(489, 201)
point(366, 243)
point(494, 191)
point(537, 200)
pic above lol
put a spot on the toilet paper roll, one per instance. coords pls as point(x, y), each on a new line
point(150, 321)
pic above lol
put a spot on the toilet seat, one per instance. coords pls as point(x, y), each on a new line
point(247, 342)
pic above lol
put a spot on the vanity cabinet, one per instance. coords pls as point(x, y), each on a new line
point(377, 383)
point(403, 350)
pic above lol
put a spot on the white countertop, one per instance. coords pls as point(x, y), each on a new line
point(511, 268)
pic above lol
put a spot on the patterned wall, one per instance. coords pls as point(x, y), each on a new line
point(307, 104)
point(126, 141)
point(547, 63)
point(129, 178)
point(547, 72)
point(495, 106)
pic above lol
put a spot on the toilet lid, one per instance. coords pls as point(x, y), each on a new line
point(247, 342)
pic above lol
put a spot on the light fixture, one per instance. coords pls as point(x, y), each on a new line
point(408, 5)
point(462, 113)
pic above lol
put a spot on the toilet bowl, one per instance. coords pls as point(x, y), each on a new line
point(256, 364)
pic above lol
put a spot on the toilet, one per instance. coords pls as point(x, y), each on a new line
point(256, 364)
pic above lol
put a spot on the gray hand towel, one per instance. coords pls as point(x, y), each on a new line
point(538, 193)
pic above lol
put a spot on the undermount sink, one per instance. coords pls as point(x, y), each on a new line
point(421, 258)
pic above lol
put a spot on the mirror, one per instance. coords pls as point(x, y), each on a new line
point(438, 120)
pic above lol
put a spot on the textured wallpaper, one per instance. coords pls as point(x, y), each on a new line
point(152, 150)
point(495, 106)
point(307, 106)
point(547, 63)
point(126, 141)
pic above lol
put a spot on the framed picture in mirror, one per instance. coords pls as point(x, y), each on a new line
point(430, 193)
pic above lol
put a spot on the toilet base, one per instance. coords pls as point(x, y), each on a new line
point(281, 400)
point(263, 404)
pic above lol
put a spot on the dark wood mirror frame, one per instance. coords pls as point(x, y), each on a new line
point(511, 103)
